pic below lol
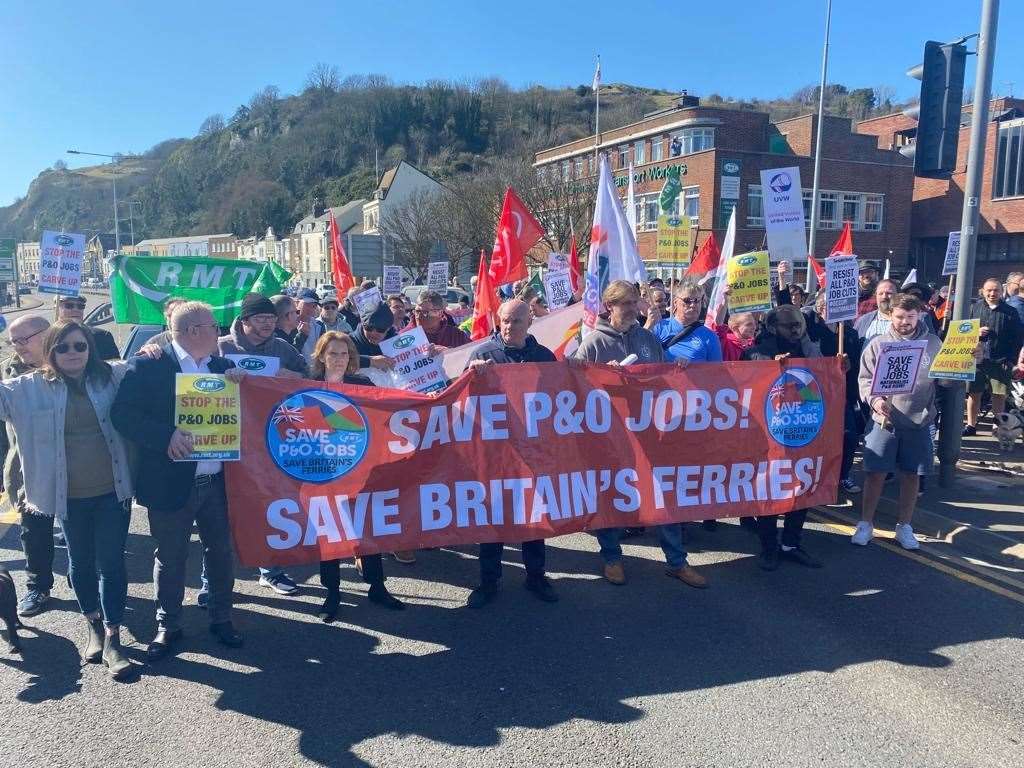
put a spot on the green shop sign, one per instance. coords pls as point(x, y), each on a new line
point(650, 174)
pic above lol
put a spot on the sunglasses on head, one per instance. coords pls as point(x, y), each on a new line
point(64, 347)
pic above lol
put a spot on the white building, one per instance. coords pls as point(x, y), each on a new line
point(28, 261)
point(395, 187)
point(314, 250)
point(221, 246)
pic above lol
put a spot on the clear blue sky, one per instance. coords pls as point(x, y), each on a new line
point(118, 76)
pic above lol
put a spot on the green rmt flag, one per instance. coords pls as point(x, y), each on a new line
point(139, 285)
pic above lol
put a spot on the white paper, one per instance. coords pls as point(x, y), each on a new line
point(256, 365)
point(367, 300)
point(60, 263)
point(414, 368)
point(437, 276)
point(842, 290)
point(558, 289)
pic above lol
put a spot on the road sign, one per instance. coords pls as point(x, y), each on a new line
point(8, 272)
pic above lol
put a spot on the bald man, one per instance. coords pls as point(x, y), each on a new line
point(511, 343)
point(26, 335)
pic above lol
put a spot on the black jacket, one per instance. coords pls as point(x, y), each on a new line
point(367, 348)
point(768, 345)
point(106, 347)
point(828, 342)
point(1004, 338)
point(495, 349)
point(143, 412)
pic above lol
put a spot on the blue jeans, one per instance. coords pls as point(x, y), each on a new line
point(669, 536)
point(96, 530)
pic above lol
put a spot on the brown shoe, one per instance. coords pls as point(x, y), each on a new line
point(614, 574)
point(688, 575)
point(405, 556)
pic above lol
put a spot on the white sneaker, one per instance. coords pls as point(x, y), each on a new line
point(864, 533)
point(905, 537)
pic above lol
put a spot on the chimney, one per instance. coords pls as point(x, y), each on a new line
point(318, 207)
point(686, 100)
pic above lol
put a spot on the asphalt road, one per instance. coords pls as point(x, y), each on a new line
point(879, 659)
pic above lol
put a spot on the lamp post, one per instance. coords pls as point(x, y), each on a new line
point(113, 161)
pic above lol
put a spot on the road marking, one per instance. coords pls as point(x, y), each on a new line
point(970, 578)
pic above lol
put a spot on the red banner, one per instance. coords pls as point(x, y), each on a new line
point(520, 452)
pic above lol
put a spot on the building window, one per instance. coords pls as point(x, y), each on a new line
point(566, 168)
point(689, 197)
point(651, 209)
point(639, 155)
point(828, 210)
point(853, 209)
point(657, 149)
point(806, 197)
point(624, 156)
point(578, 167)
point(1008, 180)
point(873, 213)
point(690, 140)
point(755, 207)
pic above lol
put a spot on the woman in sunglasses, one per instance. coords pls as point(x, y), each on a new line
point(73, 308)
point(336, 361)
point(75, 468)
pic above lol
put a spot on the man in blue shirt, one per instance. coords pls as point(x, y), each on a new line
point(1013, 287)
point(683, 336)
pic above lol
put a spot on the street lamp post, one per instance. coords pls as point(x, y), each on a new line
point(113, 161)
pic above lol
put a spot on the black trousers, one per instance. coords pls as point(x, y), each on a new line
point(37, 544)
point(792, 527)
point(534, 554)
point(373, 572)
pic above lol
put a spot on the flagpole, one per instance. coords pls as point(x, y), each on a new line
point(817, 145)
point(597, 109)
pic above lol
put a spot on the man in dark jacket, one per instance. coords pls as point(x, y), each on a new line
point(784, 337)
point(178, 493)
point(431, 316)
point(375, 325)
point(511, 343)
point(73, 308)
point(1000, 341)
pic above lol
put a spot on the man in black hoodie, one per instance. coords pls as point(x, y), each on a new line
point(375, 325)
point(511, 343)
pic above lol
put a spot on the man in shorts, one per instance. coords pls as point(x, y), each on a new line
point(900, 439)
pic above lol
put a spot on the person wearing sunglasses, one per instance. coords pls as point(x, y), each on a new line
point(75, 469)
point(26, 334)
point(683, 335)
point(73, 308)
point(431, 316)
point(784, 337)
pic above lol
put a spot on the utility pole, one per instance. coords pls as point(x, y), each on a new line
point(815, 205)
point(953, 413)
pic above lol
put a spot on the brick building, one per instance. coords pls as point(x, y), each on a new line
point(938, 204)
point(860, 182)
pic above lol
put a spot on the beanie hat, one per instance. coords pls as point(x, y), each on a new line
point(256, 304)
point(378, 317)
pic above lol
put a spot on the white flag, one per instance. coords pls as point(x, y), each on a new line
point(886, 275)
point(720, 272)
point(613, 254)
point(631, 202)
point(597, 75)
point(911, 278)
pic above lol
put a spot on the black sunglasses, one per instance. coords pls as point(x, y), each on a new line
point(376, 329)
point(64, 347)
point(73, 303)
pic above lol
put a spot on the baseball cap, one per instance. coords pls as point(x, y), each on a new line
point(308, 296)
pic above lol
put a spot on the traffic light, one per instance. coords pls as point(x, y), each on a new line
point(938, 110)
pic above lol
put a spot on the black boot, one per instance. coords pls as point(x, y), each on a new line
point(329, 610)
point(379, 594)
point(118, 667)
point(93, 652)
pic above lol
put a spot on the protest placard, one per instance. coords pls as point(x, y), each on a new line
point(952, 254)
point(437, 276)
point(673, 246)
point(414, 369)
point(60, 263)
point(956, 358)
point(392, 279)
point(897, 367)
point(841, 289)
point(208, 406)
point(331, 471)
point(558, 289)
point(367, 301)
point(257, 365)
point(783, 207)
point(749, 281)
point(558, 262)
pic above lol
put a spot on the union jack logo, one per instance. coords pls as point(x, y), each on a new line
point(287, 414)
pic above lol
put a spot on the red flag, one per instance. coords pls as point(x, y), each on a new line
point(844, 244)
point(819, 270)
point(575, 270)
point(706, 258)
point(340, 269)
point(485, 303)
point(518, 231)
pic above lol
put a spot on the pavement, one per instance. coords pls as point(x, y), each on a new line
point(882, 658)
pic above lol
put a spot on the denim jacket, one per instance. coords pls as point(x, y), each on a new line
point(35, 407)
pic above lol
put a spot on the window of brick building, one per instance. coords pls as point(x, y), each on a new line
point(624, 156)
point(578, 167)
point(828, 210)
point(639, 153)
point(1008, 179)
point(755, 206)
point(853, 208)
point(873, 212)
point(657, 149)
point(690, 140)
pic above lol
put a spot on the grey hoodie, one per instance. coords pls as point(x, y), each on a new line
point(911, 411)
point(604, 344)
point(236, 343)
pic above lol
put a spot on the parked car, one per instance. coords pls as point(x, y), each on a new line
point(137, 339)
point(24, 290)
point(101, 315)
point(452, 295)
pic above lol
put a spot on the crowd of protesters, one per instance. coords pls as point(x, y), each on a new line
point(86, 436)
